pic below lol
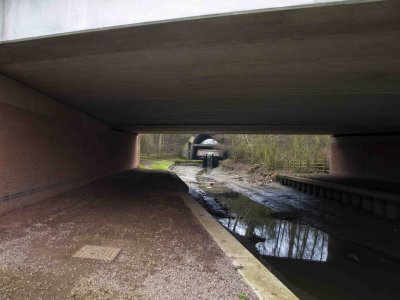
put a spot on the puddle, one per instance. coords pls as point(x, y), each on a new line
point(311, 262)
point(273, 234)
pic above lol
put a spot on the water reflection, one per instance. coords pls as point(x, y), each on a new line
point(273, 237)
point(294, 251)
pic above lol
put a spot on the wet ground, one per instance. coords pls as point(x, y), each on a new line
point(319, 249)
point(166, 253)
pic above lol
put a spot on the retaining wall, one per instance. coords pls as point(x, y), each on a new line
point(47, 148)
point(377, 202)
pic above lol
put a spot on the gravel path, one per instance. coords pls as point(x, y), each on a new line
point(166, 254)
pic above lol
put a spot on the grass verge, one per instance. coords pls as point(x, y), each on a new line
point(162, 165)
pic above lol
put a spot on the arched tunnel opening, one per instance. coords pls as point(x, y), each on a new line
point(207, 148)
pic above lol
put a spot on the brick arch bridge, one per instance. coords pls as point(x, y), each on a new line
point(197, 150)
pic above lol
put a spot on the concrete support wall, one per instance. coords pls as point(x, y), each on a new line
point(367, 157)
point(47, 148)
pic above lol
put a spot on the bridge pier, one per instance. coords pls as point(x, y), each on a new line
point(373, 159)
point(366, 157)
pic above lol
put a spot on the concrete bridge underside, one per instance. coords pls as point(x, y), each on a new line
point(325, 69)
point(72, 103)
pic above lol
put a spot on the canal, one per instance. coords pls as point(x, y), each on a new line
point(309, 252)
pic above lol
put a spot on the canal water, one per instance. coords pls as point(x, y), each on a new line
point(312, 263)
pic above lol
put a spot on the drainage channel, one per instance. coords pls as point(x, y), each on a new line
point(310, 262)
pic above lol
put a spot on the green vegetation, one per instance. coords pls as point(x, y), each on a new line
point(271, 152)
point(164, 145)
point(157, 156)
point(162, 165)
point(156, 163)
point(281, 152)
point(243, 297)
point(163, 162)
point(180, 161)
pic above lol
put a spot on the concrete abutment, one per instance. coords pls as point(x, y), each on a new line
point(47, 148)
point(366, 157)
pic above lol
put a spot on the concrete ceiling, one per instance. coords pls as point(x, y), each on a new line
point(326, 69)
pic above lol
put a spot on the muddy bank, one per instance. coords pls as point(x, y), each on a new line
point(190, 175)
point(258, 173)
point(254, 173)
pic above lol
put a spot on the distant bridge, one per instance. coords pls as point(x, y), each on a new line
point(197, 149)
